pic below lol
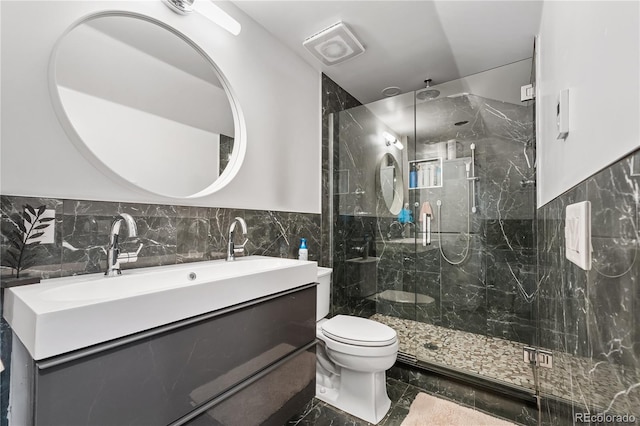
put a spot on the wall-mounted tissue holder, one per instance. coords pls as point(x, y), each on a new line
point(577, 234)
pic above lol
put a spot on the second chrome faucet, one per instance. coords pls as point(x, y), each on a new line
point(114, 257)
point(232, 248)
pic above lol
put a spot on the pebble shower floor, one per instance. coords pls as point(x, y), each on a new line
point(502, 360)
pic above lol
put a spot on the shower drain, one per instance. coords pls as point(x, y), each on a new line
point(431, 346)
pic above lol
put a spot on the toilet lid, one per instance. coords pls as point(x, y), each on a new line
point(358, 331)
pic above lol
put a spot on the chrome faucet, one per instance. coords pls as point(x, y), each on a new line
point(232, 249)
point(114, 257)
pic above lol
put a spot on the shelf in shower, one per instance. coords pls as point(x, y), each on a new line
point(399, 296)
point(428, 173)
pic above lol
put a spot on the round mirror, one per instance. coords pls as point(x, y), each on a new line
point(391, 183)
point(143, 102)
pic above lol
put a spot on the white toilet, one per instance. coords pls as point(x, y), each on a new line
point(353, 355)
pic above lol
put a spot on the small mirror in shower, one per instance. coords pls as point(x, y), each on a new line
point(390, 183)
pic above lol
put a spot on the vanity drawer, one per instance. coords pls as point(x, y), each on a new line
point(162, 377)
point(280, 393)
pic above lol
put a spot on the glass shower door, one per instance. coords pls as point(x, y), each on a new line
point(434, 213)
point(480, 267)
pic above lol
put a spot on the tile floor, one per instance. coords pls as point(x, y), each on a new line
point(491, 357)
point(318, 413)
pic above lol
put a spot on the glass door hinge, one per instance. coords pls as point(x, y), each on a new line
point(527, 93)
point(539, 357)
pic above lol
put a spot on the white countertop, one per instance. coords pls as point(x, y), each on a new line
point(60, 315)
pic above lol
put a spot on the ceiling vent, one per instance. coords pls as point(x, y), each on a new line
point(334, 44)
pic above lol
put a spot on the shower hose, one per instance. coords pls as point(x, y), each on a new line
point(466, 250)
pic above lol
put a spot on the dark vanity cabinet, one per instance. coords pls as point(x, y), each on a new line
point(246, 365)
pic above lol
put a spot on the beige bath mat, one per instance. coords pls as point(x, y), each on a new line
point(427, 410)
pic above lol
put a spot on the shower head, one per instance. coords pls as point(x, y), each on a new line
point(427, 94)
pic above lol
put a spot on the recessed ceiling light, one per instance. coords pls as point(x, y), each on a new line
point(334, 44)
point(391, 91)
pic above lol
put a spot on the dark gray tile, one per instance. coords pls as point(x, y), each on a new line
point(408, 396)
point(395, 416)
point(323, 414)
point(306, 410)
point(505, 407)
point(395, 389)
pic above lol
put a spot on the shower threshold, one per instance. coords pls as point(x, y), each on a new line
point(483, 382)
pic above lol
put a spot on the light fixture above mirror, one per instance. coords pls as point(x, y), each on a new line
point(392, 140)
point(207, 9)
point(182, 7)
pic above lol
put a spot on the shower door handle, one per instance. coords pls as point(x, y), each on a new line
point(426, 236)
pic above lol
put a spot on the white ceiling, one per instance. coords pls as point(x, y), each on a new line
point(407, 42)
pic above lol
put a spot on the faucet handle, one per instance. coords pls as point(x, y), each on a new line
point(239, 248)
point(130, 257)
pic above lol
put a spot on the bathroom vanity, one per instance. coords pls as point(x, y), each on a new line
point(247, 358)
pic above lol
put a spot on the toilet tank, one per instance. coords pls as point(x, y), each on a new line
point(323, 292)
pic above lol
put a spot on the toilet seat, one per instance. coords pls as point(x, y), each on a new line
point(358, 331)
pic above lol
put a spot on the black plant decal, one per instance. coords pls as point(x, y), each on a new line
point(26, 228)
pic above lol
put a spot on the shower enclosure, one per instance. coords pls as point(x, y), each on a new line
point(433, 227)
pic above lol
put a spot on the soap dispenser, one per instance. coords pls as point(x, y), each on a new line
point(303, 252)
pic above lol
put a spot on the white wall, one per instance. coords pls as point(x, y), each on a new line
point(278, 93)
point(591, 48)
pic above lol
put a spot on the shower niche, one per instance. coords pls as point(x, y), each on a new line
point(425, 173)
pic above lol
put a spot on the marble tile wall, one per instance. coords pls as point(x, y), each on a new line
point(358, 155)
point(170, 234)
point(593, 317)
point(334, 100)
point(340, 232)
point(353, 282)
